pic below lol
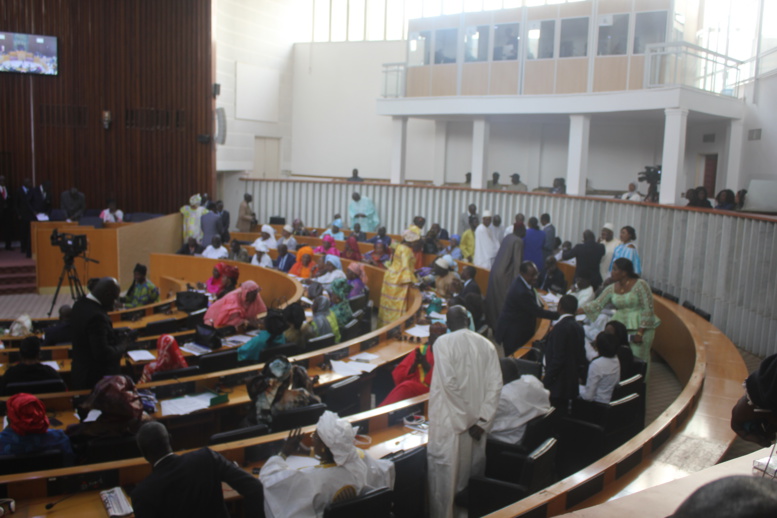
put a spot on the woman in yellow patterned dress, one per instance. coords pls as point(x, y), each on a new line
point(398, 278)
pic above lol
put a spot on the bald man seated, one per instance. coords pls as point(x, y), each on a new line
point(189, 484)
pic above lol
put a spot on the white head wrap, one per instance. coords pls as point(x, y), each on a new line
point(451, 262)
point(443, 263)
point(412, 234)
point(268, 229)
point(261, 247)
point(288, 228)
point(486, 213)
point(195, 200)
point(338, 435)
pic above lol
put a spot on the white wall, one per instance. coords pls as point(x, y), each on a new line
point(759, 157)
point(618, 151)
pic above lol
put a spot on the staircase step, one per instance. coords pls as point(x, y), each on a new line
point(18, 269)
point(17, 278)
point(15, 289)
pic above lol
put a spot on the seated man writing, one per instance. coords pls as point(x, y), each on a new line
point(305, 493)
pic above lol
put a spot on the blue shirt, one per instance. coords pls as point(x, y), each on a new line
point(12, 443)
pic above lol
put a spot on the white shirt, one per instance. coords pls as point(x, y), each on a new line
point(519, 402)
point(115, 217)
point(215, 253)
point(603, 375)
point(632, 196)
point(264, 261)
point(290, 242)
point(328, 278)
point(271, 243)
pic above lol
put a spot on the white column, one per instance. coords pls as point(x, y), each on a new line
point(673, 157)
point(440, 143)
point(480, 134)
point(577, 153)
point(398, 149)
point(736, 137)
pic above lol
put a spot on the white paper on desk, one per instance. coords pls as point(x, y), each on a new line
point(365, 356)
point(438, 316)
point(235, 341)
point(54, 365)
point(419, 331)
point(195, 349)
point(91, 416)
point(351, 368)
point(299, 462)
point(42, 216)
point(141, 355)
point(186, 405)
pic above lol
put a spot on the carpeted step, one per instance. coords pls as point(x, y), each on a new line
point(18, 288)
point(17, 278)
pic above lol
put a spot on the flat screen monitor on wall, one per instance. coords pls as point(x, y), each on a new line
point(28, 53)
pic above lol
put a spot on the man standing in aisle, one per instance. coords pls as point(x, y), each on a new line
point(245, 214)
point(550, 236)
point(486, 246)
point(361, 210)
point(610, 244)
point(462, 403)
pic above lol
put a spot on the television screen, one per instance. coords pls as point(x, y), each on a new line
point(28, 53)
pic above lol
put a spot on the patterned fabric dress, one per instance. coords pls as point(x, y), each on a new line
point(629, 251)
point(142, 293)
point(396, 281)
point(191, 222)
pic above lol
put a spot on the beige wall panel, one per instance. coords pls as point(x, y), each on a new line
point(637, 73)
point(539, 77)
point(542, 12)
point(614, 6)
point(138, 241)
point(610, 73)
point(474, 79)
point(419, 81)
point(572, 75)
point(652, 5)
point(576, 9)
point(504, 78)
point(444, 80)
point(507, 16)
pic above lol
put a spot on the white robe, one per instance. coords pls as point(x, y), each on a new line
point(370, 221)
point(520, 401)
point(215, 253)
point(465, 391)
point(271, 243)
point(609, 250)
point(486, 247)
point(265, 261)
point(305, 493)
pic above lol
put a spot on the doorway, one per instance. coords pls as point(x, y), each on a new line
point(707, 173)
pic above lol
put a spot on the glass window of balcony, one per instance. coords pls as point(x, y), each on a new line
point(445, 45)
point(613, 34)
point(541, 39)
point(574, 38)
point(419, 51)
point(506, 39)
point(649, 28)
point(476, 44)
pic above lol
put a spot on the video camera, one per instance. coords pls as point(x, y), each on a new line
point(651, 175)
point(70, 244)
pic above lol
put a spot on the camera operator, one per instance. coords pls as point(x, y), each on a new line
point(97, 350)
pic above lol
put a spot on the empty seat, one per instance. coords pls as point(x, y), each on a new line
point(703, 314)
point(112, 448)
point(44, 460)
point(656, 291)
point(350, 330)
point(287, 350)
point(218, 361)
point(358, 302)
point(35, 387)
point(175, 374)
point(239, 434)
point(689, 305)
point(161, 327)
point(409, 482)
point(373, 504)
point(344, 397)
point(671, 297)
point(321, 342)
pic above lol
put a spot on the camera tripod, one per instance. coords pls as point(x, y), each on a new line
point(69, 270)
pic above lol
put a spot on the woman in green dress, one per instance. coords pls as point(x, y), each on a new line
point(633, 302)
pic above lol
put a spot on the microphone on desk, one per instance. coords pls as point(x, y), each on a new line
point(52, 504)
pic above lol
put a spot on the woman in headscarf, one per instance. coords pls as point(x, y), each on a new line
point(398, 278)
point(357, 279)
point(323, 322)
point(294, 314)
point(239, 308)
point(352, 249)
point(280, 386)
point(378, 256)
point(28, 430)
point(299, 228)
point(327, 246)
point(272, 334)
point(627, 249)
point(192, 214)
point(444, 278)
point(330, 270)
point(347, 466)
point(340, 305)
point(214, 283)
point(302, 268)
point(168, 358)
point(267, 237)
point(262, 256)
point(228, 280)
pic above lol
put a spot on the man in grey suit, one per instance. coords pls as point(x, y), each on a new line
point(211, 226)
point(550, 236)
point(224, 215)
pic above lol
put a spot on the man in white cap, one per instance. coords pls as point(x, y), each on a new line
point(305, 492)
point(287, 238)
point(261, 257)
point(267, 237)
point(486, 246)
point(610, 244)
point(462, 403)
point(361, 210)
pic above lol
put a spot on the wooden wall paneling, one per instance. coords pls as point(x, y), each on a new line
point(474, 79)
point(610, 73)
point(139, 240)
point(444, 79)
point(637, 72)
point(504, 78)
point(571, 75)
point(539, 77)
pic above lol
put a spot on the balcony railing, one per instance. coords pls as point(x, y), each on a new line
point(685, 64)
point(394, 79)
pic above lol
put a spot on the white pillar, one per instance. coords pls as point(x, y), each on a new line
point(577, 153)
point(440, 142)
point(398, 149)
point(736, 137)
point(673, 157)
point(480, 134)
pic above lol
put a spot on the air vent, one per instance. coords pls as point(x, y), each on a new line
point(754, 134)
point(149, 119)
point(708, 138)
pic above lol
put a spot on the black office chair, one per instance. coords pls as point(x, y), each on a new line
point(375, 504)
point(161, 327)
point(689, 305)
point(365, 321)
point(656, 291)
point(358, 302)
point(130, 316)
point(35, 387)
point(287, 350)
point(91, 221)
point(525, 475)
point(529, 367)
point(297, 417)
point(703, 314)
point(632, 385)
point(44, 460)
point(350, 330)
point(112, 448)
point(669, 296)
point(321, 342)
point(344, 397)
point(239, 434)
point(218, 361)
point(175, 374)
point(409, 482)
point(538, 430)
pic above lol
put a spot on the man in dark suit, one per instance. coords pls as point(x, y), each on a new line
point(191, 247)
point(42, 198)
point(550, 236)
point(468, 280)
point(588, 257)
point(96, 349)
point(24, 201)
point(189, 484)
point(518, 320)
point(6, 213)
point(224, 216)
point(565, 361)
